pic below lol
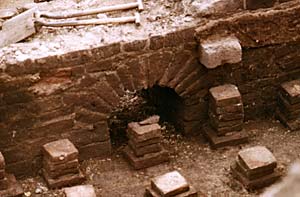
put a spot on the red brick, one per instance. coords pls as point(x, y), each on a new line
point(87, 116)
point(60, 151)
point(126, 78)
point(139, 73)
point(180, 59)
point(114, 81)
point(158, 63)
point(137, 45)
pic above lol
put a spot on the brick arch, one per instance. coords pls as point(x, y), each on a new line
point(177, 69)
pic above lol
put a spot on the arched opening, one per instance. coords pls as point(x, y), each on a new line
point(138, 106)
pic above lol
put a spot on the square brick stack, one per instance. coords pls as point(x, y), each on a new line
point(9, 187)
point(288, 102)
point(226, 117)
point(255, 167)
point(170, 184)
point(60, 164)
point(144, 146)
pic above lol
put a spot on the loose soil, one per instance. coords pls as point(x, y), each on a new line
point(206, 169)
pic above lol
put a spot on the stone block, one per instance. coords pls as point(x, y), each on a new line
point(140, 151)
point(60, 151)
point(14, 189)
point(145, 132)
point(257, 159)
point(217, 51)
point(170, 184)
point(291, 91)
point(256, 183)
point(80, 191)
point(190, 193)
point(225, 95)
point(232, 139)
point(63, 181)
point(147, 160)
point(249, 174)
point(256, 4)
point(151, 120)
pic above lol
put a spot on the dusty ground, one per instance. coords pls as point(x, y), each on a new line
point(206, 169)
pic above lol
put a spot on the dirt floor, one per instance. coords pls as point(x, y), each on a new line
point(206, 169)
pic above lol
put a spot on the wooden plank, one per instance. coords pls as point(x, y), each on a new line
point(17, 28)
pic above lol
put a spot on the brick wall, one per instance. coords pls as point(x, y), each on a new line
point(72, 95)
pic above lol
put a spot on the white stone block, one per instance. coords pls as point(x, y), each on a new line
point(218, 51)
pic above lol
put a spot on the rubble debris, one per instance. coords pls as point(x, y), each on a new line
point(226, 117)
point(80, 191)
point(144, 148)
point(217, 51)
point(288, 104)
point(9, 187)
point(60, 164)
point(170, 184)
point(255, 167)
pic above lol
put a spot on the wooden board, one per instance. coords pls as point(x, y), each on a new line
point(17, 28)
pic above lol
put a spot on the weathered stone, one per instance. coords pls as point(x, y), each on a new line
point(63, 181)
point(170, 184)
point(140, 151)
point(145, 132)
point(256, 183)
point(80, 191)
point(151, 120)
point(257, 159)
point(190, 193)
point(249, 174)
point(256, 4)
point(147, 160)
point(234, 138)
point(218, 51)
point(60, 151)
point(225, 95)
point(211, 7)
